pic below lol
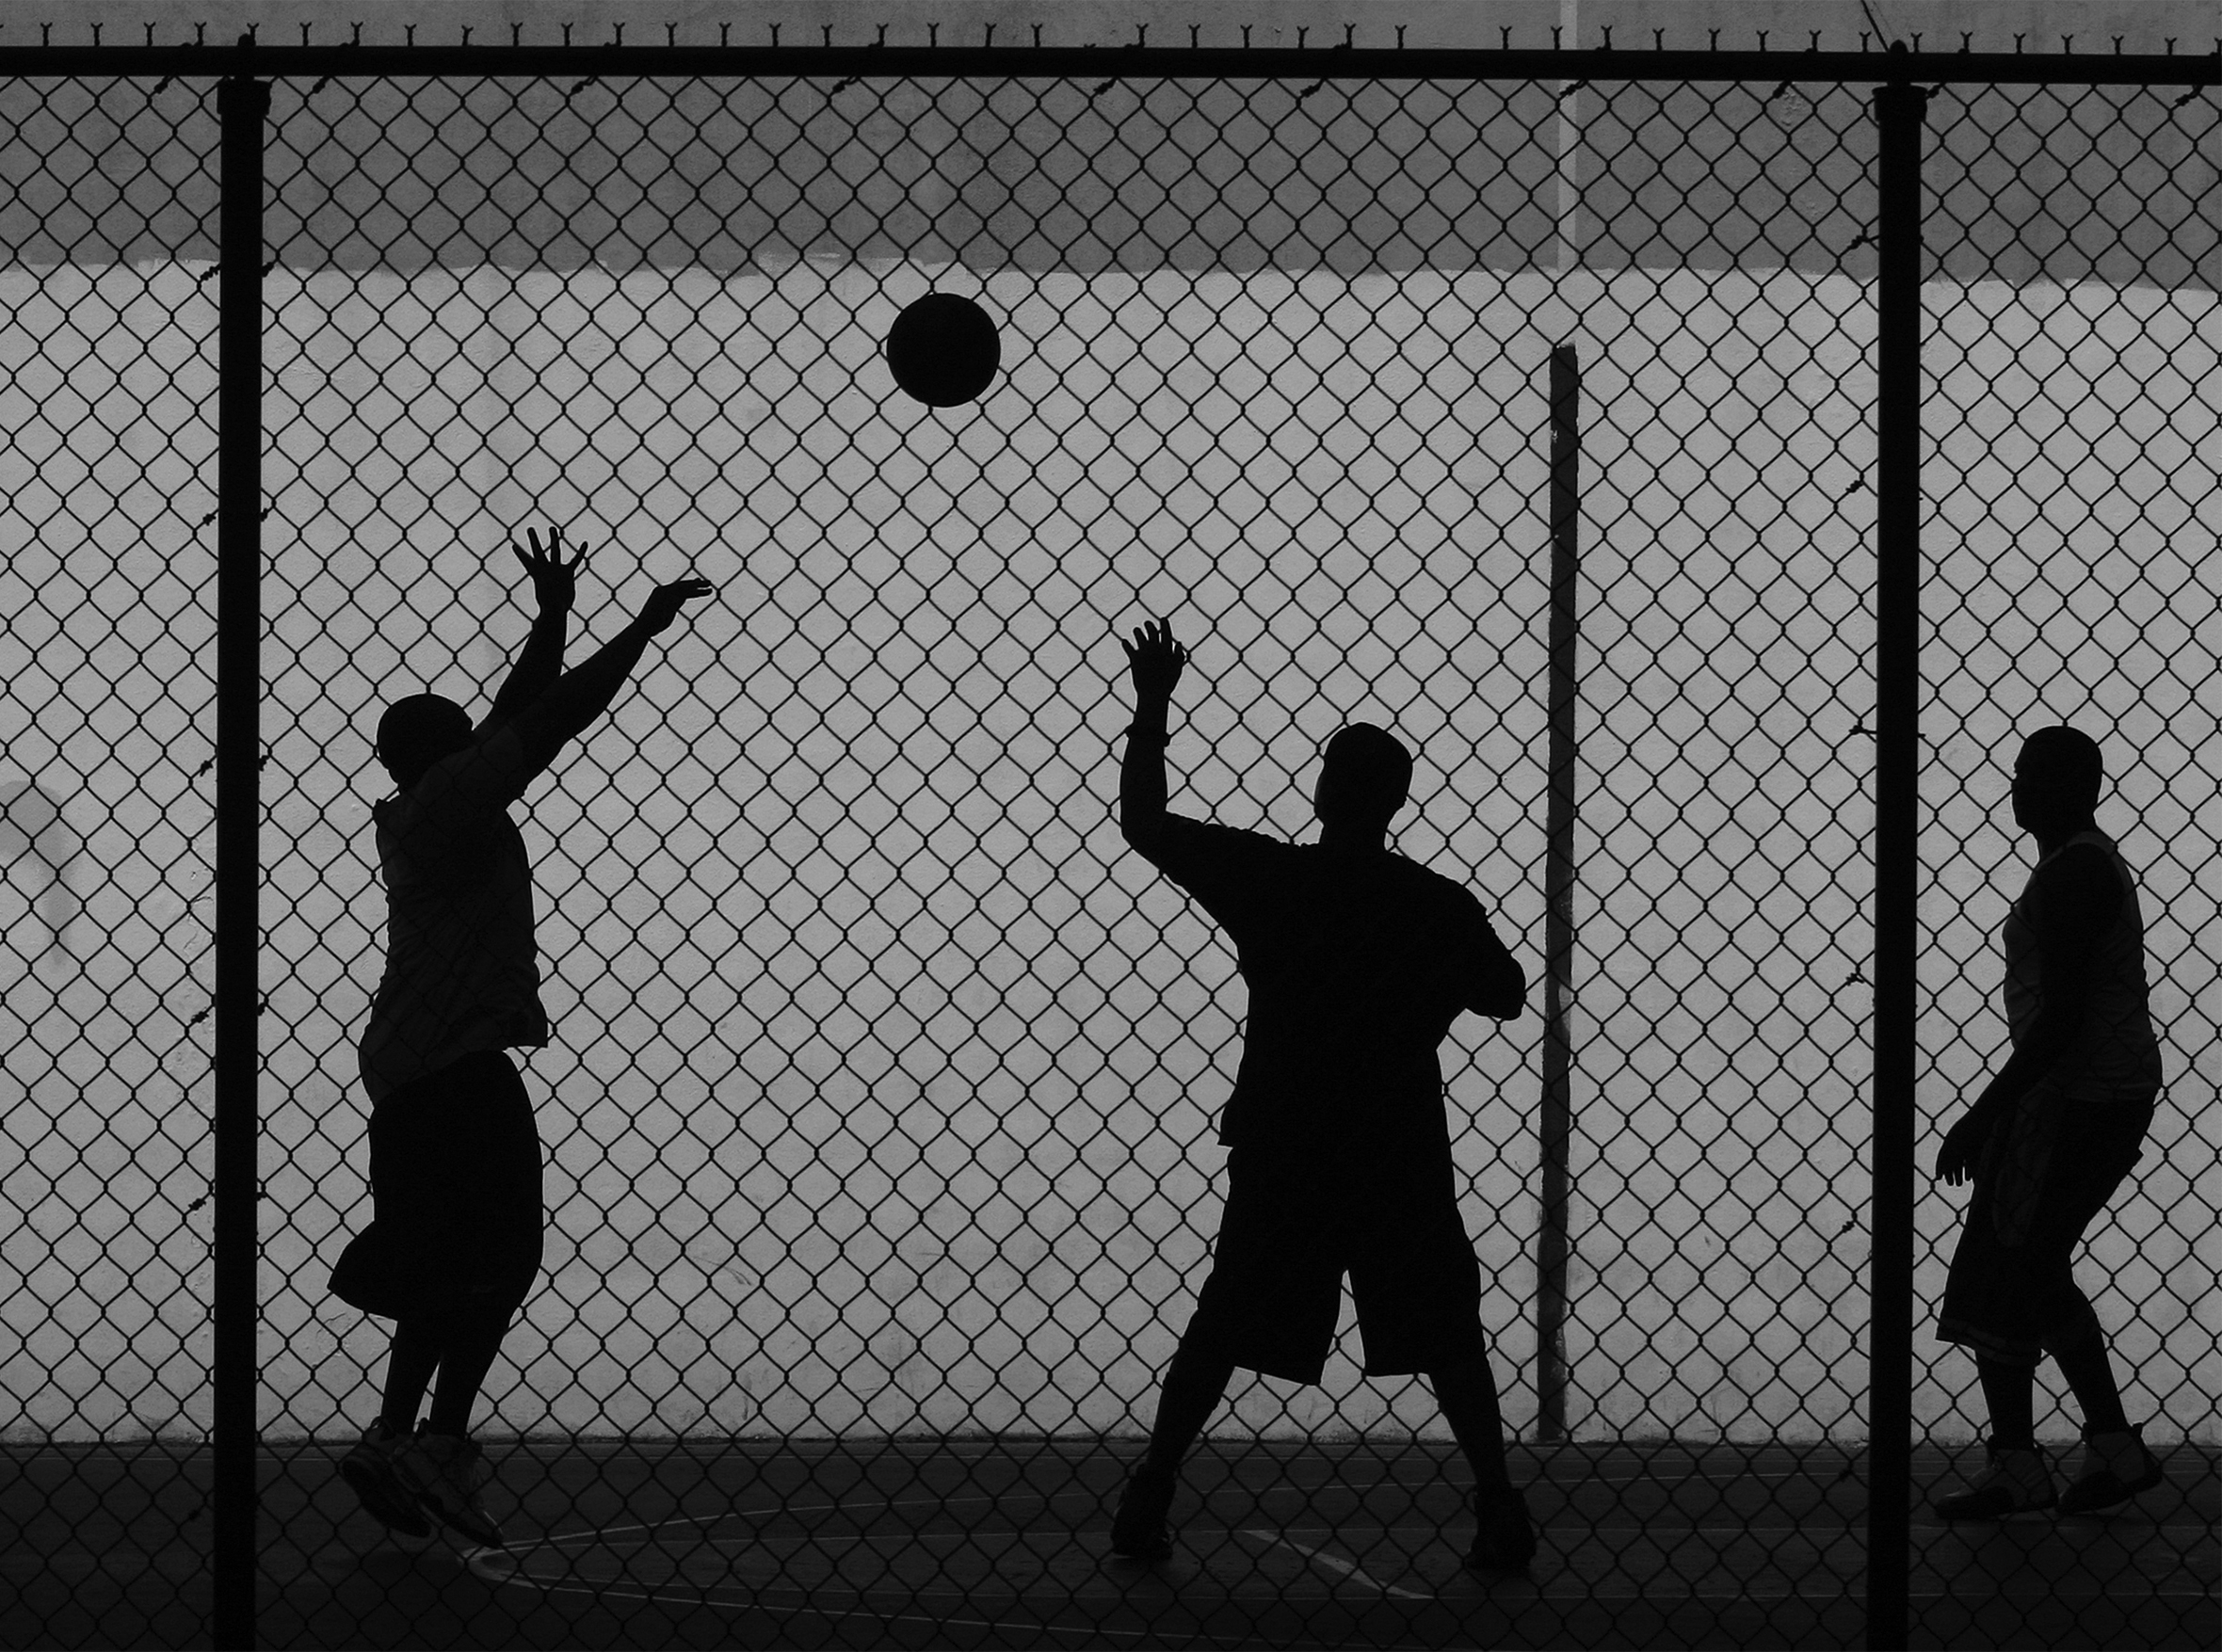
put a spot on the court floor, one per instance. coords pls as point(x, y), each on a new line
point(1003, 1542)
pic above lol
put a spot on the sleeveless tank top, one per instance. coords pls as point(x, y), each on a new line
point(2115, 1056)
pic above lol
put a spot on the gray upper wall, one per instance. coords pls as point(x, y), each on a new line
point(2145, 25)
point(2064, 184)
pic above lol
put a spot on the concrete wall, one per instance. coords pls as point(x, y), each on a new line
point(885, 1081)
point(2145, 25)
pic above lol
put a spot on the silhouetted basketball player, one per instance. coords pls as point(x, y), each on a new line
point(455, 1159)
point(2049, 1140)
point(1356, 962)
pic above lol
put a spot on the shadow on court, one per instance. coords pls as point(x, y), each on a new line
point(1002, 1544)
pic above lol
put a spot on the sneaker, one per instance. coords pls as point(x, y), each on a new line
point(1503, 1536)
point(449, 1474)
point(370, 1468)
point(2015, 1481)
point(2115, 1467)
point(1139, 1530)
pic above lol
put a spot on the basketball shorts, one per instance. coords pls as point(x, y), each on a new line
point(455, 1184)
point(2043, 1178)
point(1296, 1224)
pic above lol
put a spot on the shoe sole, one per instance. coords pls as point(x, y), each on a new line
point(475, 1528)
point(380, 1499)
point(485, 1536)
point(1158, 1545)
point(2130, 1489)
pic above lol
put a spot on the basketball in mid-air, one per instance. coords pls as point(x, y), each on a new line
point(944, 350)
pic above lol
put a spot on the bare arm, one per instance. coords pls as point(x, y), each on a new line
point(585, 692)
point(1156, 661)
point(554, 585)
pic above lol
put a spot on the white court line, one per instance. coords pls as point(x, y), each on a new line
point(1570, 1590)
point(1279, 1490)
point(1574, 1590)
point(604, 1591)
point(1337, 1562)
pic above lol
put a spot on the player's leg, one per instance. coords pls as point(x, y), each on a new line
point(1418, 1288)
point(2012, 1295)
point(1504, 1530)
point(489, 1174)
point(444, 1466)
point(1268, 1305)
point(2090, 1378)
point(1195, 1383)
point(2099, 1146)
point(381, 1272)
point(1467, 1391)
point(2009, 1393)
point(409, 1373)
point(471, 1336)
point(371, 1470)
point(1988, 1308)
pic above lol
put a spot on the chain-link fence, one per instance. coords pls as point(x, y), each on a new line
point(881, 1102)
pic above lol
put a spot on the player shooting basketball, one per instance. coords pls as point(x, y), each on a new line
point(1358, 961)
point(455, 1158)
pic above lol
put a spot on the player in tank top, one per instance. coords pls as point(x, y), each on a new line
point(2050, 1139)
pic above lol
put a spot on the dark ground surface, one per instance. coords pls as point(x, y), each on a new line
point(926, 1544)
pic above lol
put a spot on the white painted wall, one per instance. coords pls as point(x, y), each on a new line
point(897, 1146)
point(885, 1081)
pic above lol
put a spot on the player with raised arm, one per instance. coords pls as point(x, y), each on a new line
point(1357, 961)
point(455, 1159)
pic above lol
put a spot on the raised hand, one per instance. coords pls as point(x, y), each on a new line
point(1156, 660)
point(555, 582)
point(664, 602)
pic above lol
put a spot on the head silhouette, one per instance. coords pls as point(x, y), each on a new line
point(2057, 777)
point(1364, 777)
point(417, 732)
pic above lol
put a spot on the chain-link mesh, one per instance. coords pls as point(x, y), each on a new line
point(107, 380)
point(2071, 474)
point(882, 1100)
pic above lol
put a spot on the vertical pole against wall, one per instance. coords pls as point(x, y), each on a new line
point(1556, 1123)
point(241, 106)
point(1897, 672)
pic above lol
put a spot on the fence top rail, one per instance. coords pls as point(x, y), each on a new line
point(1129, 62)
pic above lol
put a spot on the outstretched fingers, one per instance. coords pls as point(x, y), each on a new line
point(552, 559)
point(1154, 659)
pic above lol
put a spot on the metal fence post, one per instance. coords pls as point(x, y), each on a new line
point(1556, 1120)
point(242, 105)
point(1897, 671)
